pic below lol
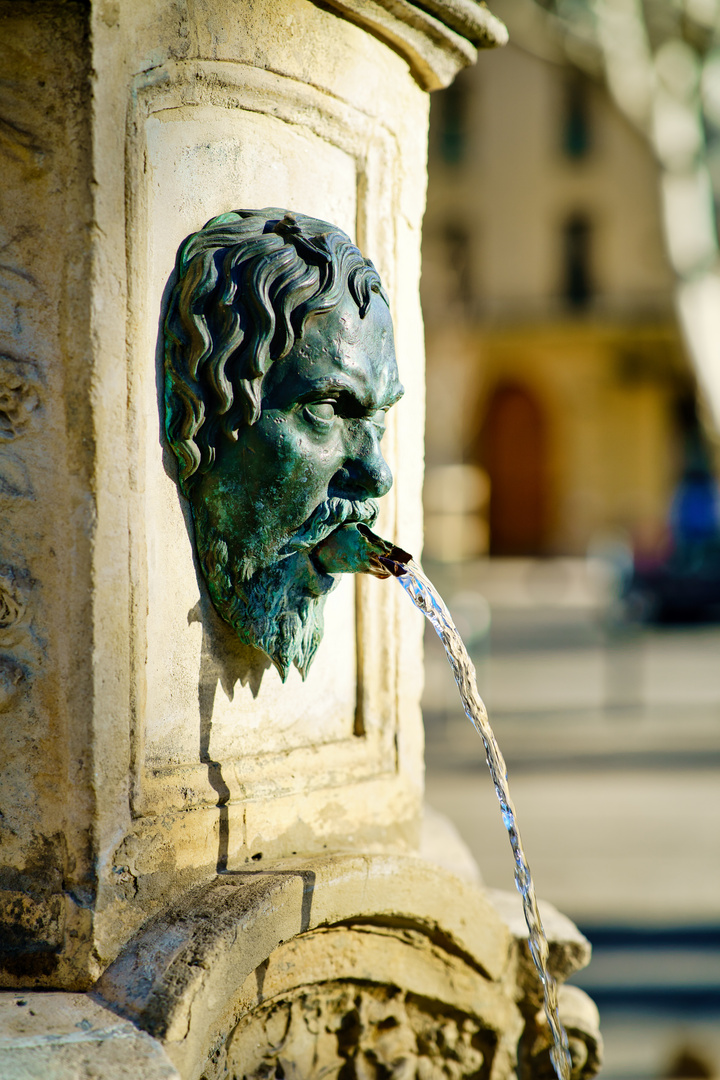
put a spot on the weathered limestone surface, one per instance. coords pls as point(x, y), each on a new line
point(171, 812)
point(144, 749)
point(127, 126)
point(359, 966)
point(48, 682)
point(437, 37)
point(69, 1036)
point(310, 949)
point(189, 978)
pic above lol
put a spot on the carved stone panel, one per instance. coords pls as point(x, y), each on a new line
point(213, 718)
point(350, 1031)
point(202, 155)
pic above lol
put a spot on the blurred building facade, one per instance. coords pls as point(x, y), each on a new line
point(560, 400)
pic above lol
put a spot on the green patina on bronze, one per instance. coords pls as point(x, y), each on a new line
point(279, 371)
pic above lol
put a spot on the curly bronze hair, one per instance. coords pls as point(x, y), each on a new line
point(245, 286)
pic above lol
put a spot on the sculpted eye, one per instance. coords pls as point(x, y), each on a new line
point(322, 412)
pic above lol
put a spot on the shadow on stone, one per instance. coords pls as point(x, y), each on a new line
point(227, 666)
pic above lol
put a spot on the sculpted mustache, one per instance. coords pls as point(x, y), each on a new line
point(327, 517)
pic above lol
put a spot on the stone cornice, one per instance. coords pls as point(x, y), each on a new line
point(436, 37)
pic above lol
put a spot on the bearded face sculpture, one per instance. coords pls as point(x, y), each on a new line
point(279, 371)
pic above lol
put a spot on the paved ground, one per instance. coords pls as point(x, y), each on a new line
point(612, 739)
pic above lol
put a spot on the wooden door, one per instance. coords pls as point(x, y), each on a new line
point(513, 450)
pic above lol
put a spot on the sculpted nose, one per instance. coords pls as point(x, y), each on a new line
point(375, 475)
point(365, 474)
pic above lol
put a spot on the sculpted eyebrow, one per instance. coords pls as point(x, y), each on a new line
point(350, 395)
point(345, 390)
point(329, 384)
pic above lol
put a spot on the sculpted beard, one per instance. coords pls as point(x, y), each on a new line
point(277, 608)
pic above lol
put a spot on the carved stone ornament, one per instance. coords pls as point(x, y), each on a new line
point(12, 609)
point(350, 1031)
point(12, 606)
point(279, 372)
point(581, 1020)
point(18, 397)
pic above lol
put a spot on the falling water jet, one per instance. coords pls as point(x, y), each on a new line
point(427, 600)
point(356, 548)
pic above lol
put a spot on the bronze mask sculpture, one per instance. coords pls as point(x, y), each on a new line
point(279, 371)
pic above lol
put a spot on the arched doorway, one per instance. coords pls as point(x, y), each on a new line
point(512, 448)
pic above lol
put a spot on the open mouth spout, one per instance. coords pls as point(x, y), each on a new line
point(355, 549)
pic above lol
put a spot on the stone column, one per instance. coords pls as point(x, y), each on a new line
point(139, 755)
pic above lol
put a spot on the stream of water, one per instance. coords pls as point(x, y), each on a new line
point(426, 599)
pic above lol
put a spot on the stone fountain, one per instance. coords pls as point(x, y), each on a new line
point(211, 808)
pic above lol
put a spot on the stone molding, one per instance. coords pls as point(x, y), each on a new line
point(211, 959)
point(436, 37)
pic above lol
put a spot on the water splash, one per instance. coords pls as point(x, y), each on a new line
point(426, 599)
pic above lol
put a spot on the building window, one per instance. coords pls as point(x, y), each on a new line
point(452, 104)
point(577, 236)
point(576, 133)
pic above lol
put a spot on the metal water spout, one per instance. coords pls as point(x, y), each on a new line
point(356, 549)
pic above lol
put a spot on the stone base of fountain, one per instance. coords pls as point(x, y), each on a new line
point(348, 965)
